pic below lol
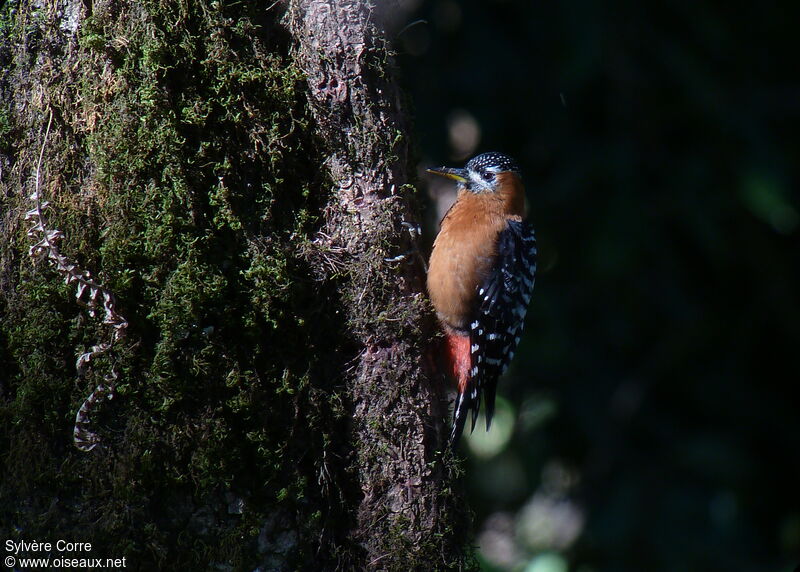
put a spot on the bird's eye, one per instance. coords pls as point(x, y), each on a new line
point(488, 176)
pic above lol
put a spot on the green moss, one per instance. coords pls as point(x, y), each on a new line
point(91, 36)
point(194, 207)
point(5, 129)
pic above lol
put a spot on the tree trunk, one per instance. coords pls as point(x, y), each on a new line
point(219, 226)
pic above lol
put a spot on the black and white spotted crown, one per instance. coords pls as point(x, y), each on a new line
point(493, 161)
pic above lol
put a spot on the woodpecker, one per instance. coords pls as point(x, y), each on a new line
point(480, 279)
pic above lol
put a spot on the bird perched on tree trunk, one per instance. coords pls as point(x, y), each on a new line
point(480, 279)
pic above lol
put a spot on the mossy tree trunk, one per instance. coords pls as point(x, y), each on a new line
point(236, 175)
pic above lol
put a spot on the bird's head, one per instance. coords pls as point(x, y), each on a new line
point(481, 173)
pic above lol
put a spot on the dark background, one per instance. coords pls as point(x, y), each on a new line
point(654, 400)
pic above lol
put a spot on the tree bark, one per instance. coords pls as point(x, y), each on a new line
point(234, 178)
point(357, 110)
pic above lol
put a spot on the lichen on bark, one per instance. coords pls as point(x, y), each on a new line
point(275, 406)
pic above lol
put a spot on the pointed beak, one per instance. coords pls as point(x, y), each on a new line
point(459, 175)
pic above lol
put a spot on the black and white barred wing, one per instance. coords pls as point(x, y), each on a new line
point(495, 332)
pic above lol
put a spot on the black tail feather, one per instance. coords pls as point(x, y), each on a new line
point(488, 400)
point(475, 408)
point(460, 410)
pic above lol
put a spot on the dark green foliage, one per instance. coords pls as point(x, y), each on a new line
point(660, 146)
